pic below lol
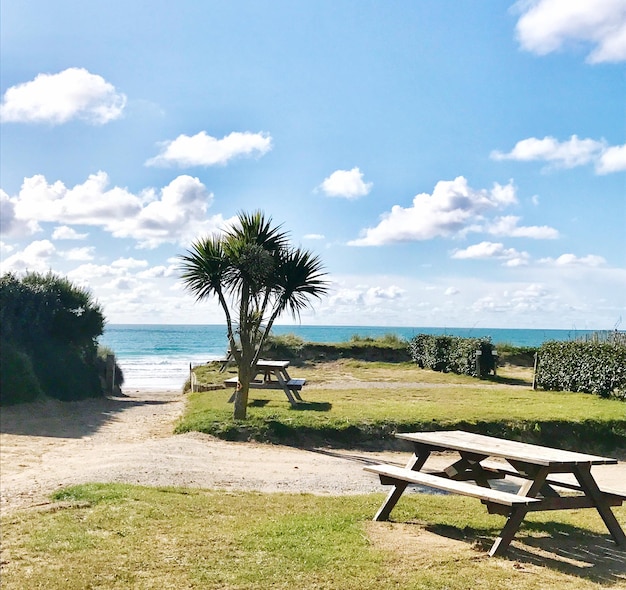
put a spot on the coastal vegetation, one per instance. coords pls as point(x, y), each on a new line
point(590, 367)
point(466, 356)
point(356, 403)
point(48, 339)
point(123, 536)
point(256, 276)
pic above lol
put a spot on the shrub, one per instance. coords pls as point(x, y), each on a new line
point(451, 354)
point(588, 367)
point(18, 382)
point(55, 325)
point(286, 346)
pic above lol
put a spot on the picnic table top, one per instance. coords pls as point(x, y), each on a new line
point(497, 447)
point(264, 364)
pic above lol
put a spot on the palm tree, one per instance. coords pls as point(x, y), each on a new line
point(256, 276)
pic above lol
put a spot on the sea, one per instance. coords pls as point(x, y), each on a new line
point(158, 357)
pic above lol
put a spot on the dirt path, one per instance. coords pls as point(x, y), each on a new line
point(129, 439)
point(48, 445)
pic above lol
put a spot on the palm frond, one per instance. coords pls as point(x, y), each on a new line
point(204, 268)
point(300, 278)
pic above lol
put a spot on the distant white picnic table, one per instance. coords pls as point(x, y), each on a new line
point(272, 375)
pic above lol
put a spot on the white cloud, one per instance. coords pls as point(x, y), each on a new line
point(389, 293)
point(613, 159)
point(451, 291)
point(529, 298)
point(507, 226)
point(74, 93)
point(567, 154)
point(572, 260)
point(80, 254)
point(453, 208)
point(128, 263)
point(346, 183)
point(495, 250)
point(35, 257)
point(548, 25)
point(314, 237)
point(175, 214)
point(157, 272)
point(10, 224)
point(5, 248)
point(203, 150)
point(63, 232)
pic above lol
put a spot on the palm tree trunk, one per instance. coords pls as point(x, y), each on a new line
point(245, 376)
point(241, 398)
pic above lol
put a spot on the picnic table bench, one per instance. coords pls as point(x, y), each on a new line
point(541, 469)
point(274, 376)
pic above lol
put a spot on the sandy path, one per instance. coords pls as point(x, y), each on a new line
point(129, 439)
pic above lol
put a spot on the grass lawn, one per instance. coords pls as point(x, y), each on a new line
point(357, 402)
point(121, 536)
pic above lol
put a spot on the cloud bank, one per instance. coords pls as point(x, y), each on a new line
point(203, 150)
point(453, 209)
point(59, 98)
point(567, 154)
point(549, 25)
point(177, 213)
point(348, 184)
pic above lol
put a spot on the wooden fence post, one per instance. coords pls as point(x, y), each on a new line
point(535, 370)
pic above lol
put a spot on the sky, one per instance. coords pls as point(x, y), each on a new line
point(453, 163)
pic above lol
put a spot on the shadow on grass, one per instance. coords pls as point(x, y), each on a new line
point(511, 380)
point(312, 406)
point(562, 547)
point(258, 403)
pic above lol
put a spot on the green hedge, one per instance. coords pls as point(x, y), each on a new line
point(452, 354)
point(18, 381)
point(588, 367)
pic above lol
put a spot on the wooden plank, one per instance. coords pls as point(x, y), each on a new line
point(263, 365)
point(260, 384)
point(506, 469)
point(498, 447)
point(392, 474)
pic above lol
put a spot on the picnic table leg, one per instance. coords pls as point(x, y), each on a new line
point(501, 544)
point(415, 463)
point(590, 487)
point(529, 489)
point(286, 389)
point(295, 392)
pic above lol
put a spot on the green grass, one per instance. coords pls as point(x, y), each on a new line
point(121, 536)
point(361, 403)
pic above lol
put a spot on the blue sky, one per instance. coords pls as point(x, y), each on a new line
point(454, 163)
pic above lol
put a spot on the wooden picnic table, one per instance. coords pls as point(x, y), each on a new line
point(272, 375)
point(544, 473)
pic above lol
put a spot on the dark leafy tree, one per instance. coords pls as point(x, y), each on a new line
point(55, 324)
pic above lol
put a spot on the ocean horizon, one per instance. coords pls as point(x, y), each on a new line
point(157, 356)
